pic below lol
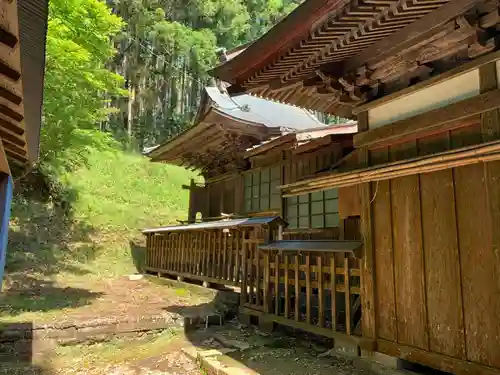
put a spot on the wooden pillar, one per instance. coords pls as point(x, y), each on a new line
point(192, 203)
point(367, 262)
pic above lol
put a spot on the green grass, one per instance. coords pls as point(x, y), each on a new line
point(123, 192)
point(116, 195)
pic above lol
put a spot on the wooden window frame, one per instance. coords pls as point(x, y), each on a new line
point(262, 197)
point(322, 204)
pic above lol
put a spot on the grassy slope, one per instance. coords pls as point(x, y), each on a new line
point(116, 195)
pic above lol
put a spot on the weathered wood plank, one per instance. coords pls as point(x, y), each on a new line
point(442, 264)
point(267, 281)
point(480, 262)
point(277, 284)
point(308, 289)
point(321, 297)
point(490, 120)
point(287, 287)
point(408, 259)
point(297, 289)
point(225, 248)
point(333, 289)
point(384, 255)
point(437, 361)
point(244, 271)
point(220, 251)
point(349, 204)
point(257, 275)
point(347, 296)
point(368, 323)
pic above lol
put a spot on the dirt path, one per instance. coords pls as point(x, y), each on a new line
point(169, 352)
point(47, 302)
point(250, 353)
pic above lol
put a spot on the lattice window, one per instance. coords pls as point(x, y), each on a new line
point(315, 210)
point(261, 190)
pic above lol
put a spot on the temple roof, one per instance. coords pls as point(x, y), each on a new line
point(225, 128)
point(253, 109)
point(334, 55)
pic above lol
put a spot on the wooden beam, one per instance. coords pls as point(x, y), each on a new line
point(490, 120)
point(437, 361)
point(429, 120)
point(411, 35)
point(462, 69)
point(236, 90)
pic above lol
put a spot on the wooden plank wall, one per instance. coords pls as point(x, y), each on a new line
point(436, 239)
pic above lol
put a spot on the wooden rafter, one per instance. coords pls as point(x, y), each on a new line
point(370, 49)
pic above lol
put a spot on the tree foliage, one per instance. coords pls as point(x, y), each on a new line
point(135, 69)
point(79, 44)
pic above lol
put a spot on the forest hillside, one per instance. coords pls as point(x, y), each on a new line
point(120, 75)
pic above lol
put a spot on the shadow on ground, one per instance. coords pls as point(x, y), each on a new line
point(283, 351)
point(138, 254)
point(29, 294)
point(17, 351)
point(44, 240)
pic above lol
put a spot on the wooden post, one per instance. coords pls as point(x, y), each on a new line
point(277, 284)
point(308, 288)
point(192, 203)
point(267, 281)
point(333, 288)
point(367, 263)
point(239, 241)
point(244, 264)
point(280, 232)
point(297, 288)
point(321, 300)
point(347, 289)
point(287, 292)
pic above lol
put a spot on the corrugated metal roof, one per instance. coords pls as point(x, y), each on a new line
point(312, 245)
point(32, 35)
point(219, 224)
point(262, 111)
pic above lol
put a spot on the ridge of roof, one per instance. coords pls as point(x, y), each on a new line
point(266, 112)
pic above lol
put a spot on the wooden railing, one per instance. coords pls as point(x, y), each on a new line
point(210, 252)
point(313, 291)
point(314, 287)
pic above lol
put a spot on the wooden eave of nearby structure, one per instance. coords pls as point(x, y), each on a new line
point(307, 140)
point(335, 56)
point(22, 45)
point(459, 157)
point(213, 145)
point(221, 224)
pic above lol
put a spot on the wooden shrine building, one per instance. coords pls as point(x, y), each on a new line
point(245, 148)
point(422, 79)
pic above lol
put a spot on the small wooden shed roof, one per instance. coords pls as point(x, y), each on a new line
point(221, 224)
point(334, 55)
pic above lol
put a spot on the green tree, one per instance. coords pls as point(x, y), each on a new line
point(165, 50)
point(77, 82)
